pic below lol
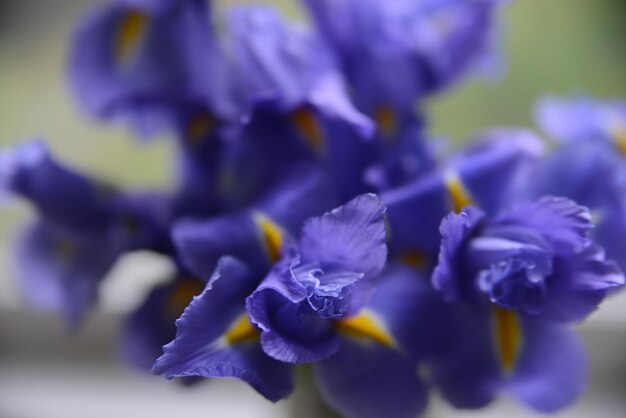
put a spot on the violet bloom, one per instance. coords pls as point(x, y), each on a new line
point(254, 235)
point(141, 61)
point(395, 52)
point(83, 227)
point(325, 301)
point(596, 182)
point(522, 276)
point(593, 139)
point(581, 118)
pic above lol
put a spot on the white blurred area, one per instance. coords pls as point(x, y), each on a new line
point(46, 373)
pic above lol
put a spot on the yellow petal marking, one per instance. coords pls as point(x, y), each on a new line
point(182, 294)
point(508, 337)
point(414, 258)
point(65, 250)
point(308, 126)
point(618, 133)
point(459, 195)
point(386, 120)
point(199, 128)
point(131, 29)
point(272, 236)
point(241, 331)
point(366, 326)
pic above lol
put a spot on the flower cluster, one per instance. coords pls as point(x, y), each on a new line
point(314, 221)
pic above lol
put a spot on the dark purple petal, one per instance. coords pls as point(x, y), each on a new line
point(407, 153)
point(198, 349)
point(200, 244)
point(413, 313)
point(415, 211)
point(304, 192)
point(61, 196)
point(59, 273)
point(467, 373)
point(151, 325)
point(551, 372)
point(449, 276)
point(371, 381)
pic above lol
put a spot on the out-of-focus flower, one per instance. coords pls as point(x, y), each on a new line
point(581, 118)
point(396, 52)
point(523, 275)
point(83, 227)
point(142, 60)
point(483, 173)
point(591, 174)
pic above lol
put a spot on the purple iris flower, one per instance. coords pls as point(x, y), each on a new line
point(593, 137)
point(596, 182)
point(327, 300)
point(83, 227)
point(331, 274)
point(255, 236)
point(395, 52)
point(141, 60)
point(519, 278)
point(581, 118)
point(484, 172)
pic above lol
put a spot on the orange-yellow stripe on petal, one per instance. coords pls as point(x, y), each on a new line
point(618, 133)
point(182, 294)
point(199, 127)
point(132, 28)
point(508, 337)
point(272, 236)
point(241, 331)
point(309, 127)
point(459, 195)
point(386, 120)
point(414, 258)
point(366, 326)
